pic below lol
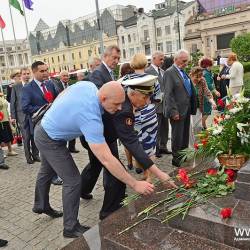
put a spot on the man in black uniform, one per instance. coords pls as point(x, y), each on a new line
point(121, 126)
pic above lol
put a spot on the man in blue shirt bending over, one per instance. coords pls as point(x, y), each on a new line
point(77, 111)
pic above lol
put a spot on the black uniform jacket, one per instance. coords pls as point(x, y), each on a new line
point(123, 128)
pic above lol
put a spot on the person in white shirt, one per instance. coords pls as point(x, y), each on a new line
point(235, 75)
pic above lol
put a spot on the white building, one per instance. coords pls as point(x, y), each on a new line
point(156, 30)
point(14, 58)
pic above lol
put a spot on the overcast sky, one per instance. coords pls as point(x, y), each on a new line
point(51, 11)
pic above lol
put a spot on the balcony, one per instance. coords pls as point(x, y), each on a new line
point(145, 40)
point(192, 35)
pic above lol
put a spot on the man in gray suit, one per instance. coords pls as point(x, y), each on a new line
point(18, 117)
point(61, 85)
point(179, 103)
point(162, 133)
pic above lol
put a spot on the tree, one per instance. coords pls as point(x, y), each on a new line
point(241, 46)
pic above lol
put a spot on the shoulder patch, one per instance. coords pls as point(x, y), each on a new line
point(129, 122)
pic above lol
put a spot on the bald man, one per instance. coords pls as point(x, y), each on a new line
point(84, 104)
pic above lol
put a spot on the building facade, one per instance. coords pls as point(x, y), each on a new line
point(210, 30)
point(71, 43)
point(156, 30)
point(15, 57)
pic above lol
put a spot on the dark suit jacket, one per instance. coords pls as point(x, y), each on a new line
point(33, 99)
point(176, 99)
point(100, 76)
point(58, 86)
point(151, 71)
point(16, 103)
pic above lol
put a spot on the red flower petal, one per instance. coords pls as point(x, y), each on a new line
point(212, 171)
point(196, 146)
point(226, 212)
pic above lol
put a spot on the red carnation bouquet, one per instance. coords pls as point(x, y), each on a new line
point(1, 116)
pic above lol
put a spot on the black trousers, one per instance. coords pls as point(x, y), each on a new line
point(72, 145)
point(180, 135)
point(114, 189)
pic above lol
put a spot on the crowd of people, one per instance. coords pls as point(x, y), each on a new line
point(138, 109)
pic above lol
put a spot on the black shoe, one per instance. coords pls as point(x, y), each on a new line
point(4, 166)
point(158, 155)
point(3, 243)
point(74, 151)
point(37, 158)
point(30, 161)
point(58, 181)
point(81, 228)
point(72, 233)
point(176, 163)
point(50, 212)
point(165, 151)
point(138, 170)
point(87, 196)
point(130, 166)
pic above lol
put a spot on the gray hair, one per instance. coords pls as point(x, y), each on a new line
point(157, 53)
point(110, 48)
point(93, 60)
point(63, 72)
point(180, 52)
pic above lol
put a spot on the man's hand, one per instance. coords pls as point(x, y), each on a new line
point(143, 187)
point(176, 117)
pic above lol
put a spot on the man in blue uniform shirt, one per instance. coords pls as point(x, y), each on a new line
point(77, 111)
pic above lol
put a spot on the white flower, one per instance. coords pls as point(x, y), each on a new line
point(243, 99)
point(235, 110)
point(217, 130)
point(227, 117)
point(241, 126)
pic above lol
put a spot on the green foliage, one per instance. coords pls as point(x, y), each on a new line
point(247, 84)
point(195, 57)
point(241, 46)
point(246, 66)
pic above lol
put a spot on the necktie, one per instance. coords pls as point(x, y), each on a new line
point(159, 74)
point(187, 83)
point(112, 75)
point(43, 87)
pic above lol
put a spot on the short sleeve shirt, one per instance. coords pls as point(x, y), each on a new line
point(77, 111)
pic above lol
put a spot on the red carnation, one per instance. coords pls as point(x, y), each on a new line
point(212, 171)
point(204, 142)
point(230, 175)
point(183, 176)
point(226, 212)
point(178, 195)
point(196, 146)
point(1, 116)
point(221, 103)
point(48, 96)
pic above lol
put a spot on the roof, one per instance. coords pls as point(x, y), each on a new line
point(41, 25)
point(130, 21)
point(170, 10)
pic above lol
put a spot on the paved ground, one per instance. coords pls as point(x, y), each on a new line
point(26, 230)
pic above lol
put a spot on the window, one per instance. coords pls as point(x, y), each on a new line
point(137, 49)
point(224, 40)
point(1, 49)
point(158, 31)
point(73, 56)
point(177, 44)
point(169, 48)
point(167, 30)
point(146, 35)
point(134, 37)
point(89, 52)
point(208, 41)
point(74, 66)
point(147, 49)
point(81, 66)
point(160, 46)
point(64, 58)
point(124, 53)
point(20, 59)
point(80, 54)
point(194, 48)
point(131, 52)
point(129, 38)
point(123, 40)
point(58, 58)
point(52, 59)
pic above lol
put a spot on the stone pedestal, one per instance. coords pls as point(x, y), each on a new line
point(201, 229)
point(242, 183)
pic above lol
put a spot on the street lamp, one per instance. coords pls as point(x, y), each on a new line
point(178, 24)
point(99, 24)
